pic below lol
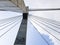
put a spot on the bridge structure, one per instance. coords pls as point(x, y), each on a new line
point(48, 26)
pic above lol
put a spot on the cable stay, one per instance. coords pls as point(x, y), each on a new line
point(8, 22)
point(7, 19)
point(48, 21)
point(50, 25)
point(46, 24)
point(10, 17)
point(46, 30)
point(17, 22)
point(40, 34)
point(8, 25)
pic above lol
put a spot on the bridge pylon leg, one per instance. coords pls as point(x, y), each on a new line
point(21, 36)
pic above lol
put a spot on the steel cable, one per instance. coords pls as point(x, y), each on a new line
point(3, 24)
point(47, 26)
point(47, 22)
point(53, 21)
point(46, 31)
point(8, 25)
point(40, 35)
point(9, 29)
point(6, 19)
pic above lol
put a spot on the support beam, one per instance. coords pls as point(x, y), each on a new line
point(21, 36)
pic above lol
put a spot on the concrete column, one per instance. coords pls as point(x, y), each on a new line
point(21, 36)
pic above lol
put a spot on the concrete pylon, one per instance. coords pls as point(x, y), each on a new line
point(21, 36)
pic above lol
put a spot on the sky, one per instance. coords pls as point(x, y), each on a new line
point(32, 4)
